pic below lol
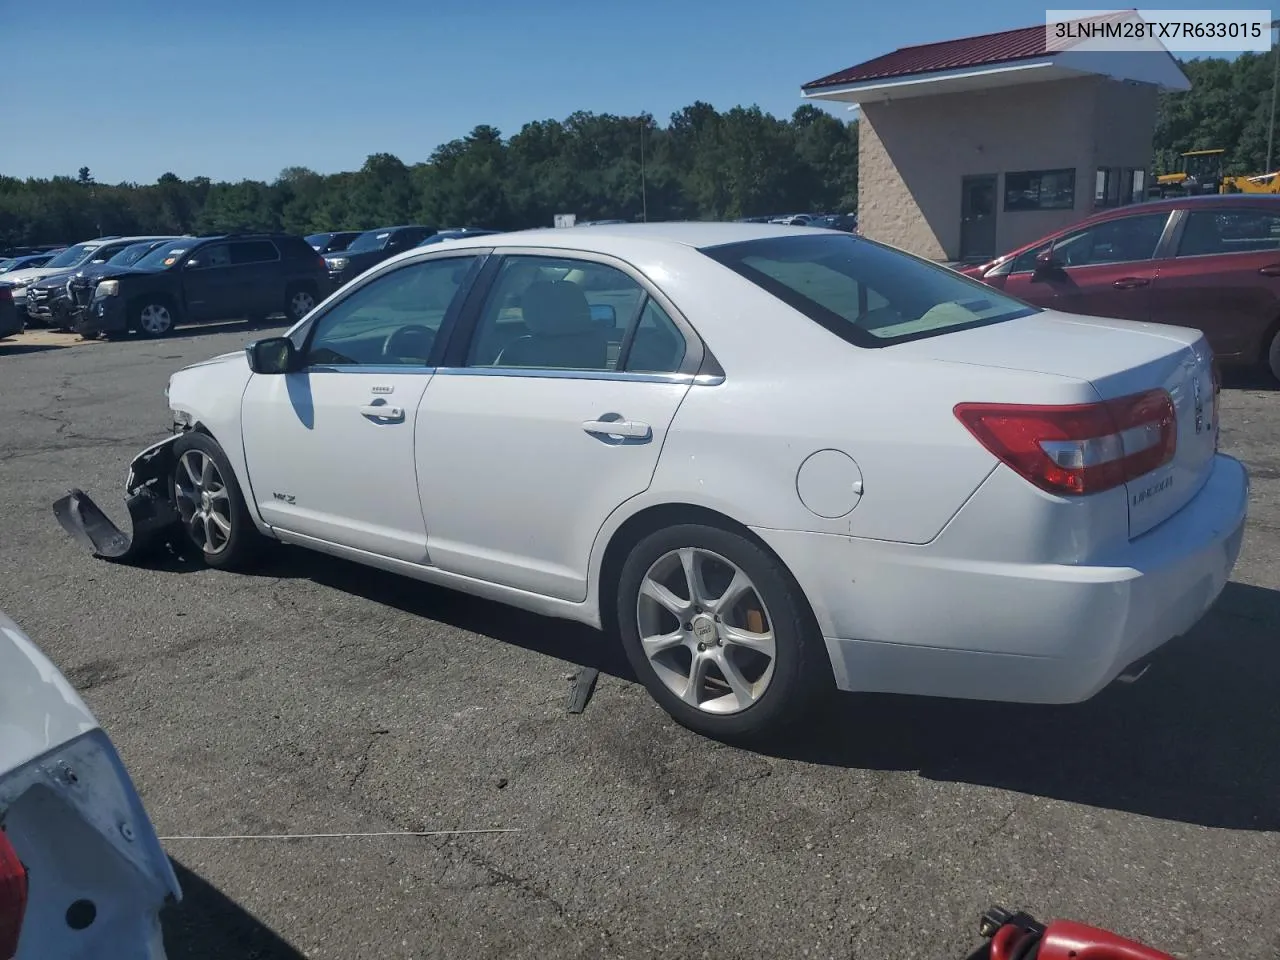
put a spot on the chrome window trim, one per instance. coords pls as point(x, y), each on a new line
point(544, 373)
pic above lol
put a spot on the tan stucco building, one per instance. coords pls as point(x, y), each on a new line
point(969, 148)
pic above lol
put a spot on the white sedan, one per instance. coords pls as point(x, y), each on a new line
point(771, 460)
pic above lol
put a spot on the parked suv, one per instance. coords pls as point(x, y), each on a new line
point(1208, 262)
point(49, 298)
point(200, 279)
point(372, 247)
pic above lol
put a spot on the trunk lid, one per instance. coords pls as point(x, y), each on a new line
point(1118, 358)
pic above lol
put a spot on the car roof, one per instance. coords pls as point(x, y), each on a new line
point(697, 234)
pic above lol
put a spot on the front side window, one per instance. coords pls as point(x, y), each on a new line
point(868, 294)
point(555, 314)
point(214, 255)
point(1040, 190)
point(394, 319)
point(1210, 232)
point(1123, 240)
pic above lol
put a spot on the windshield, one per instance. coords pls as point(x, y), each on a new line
point(165, 255)
point(131, 254)
point(73, 256)
point(370, 240)
point(6, 264)
point(868, 294)
point(319, 241)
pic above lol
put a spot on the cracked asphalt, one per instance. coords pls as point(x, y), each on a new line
point(319, 697)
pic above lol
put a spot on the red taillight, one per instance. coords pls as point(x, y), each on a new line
point(13, 898)
point(1081, 448)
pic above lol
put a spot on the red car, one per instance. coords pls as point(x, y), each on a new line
point(1208, 262)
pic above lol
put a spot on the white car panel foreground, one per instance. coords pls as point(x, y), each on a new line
point(772, 460)
point(82, 874)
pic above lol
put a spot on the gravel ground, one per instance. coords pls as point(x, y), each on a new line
point(319, 697)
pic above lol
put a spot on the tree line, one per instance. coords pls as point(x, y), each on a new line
point(703, 164)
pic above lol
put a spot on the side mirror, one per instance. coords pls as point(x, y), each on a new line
point(273, 355)
point(604, 313)
point(1047, 261)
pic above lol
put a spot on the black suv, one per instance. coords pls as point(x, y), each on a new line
point(199, 279)
point(372, 247)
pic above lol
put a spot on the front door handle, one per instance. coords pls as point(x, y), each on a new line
point(383, 413)
point(631, 429)
point(1129, 283)
point(1271, 270)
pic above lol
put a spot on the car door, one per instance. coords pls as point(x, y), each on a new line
point(330, 448)
point(1223, 279)
point(1104, 269)
point(256, 273)
point(207, 283)
point(549, 412)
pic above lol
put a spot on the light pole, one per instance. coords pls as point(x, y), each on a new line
point(644, 196)
point(1275, 81)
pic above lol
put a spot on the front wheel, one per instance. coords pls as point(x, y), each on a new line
point(154, 318)
point(212, 510)
point(720, 633)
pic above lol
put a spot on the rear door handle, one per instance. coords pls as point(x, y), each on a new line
point(632, 429)
point(1129, 283)
point(383, 413)
point(1271, 270)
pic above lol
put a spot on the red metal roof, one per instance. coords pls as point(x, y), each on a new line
point(1025, 43)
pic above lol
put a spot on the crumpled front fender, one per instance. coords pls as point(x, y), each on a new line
point(151, 509)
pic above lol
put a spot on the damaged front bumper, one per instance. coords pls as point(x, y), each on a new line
point(151, 509)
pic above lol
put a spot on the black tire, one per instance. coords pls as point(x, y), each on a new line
point(243, 546)
point(1271, 358)
point(802, 677)
point(147, 315)
point(295, 296)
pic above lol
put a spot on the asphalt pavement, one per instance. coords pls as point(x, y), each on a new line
point(318, 697)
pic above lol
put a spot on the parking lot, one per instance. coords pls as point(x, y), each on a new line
point(318, 697)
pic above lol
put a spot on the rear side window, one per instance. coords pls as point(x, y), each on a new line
point(253, 251)
point(865, 293)
point(1210, 232)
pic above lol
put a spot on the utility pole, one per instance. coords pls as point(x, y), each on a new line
point(1275, 81)
point(644, 195)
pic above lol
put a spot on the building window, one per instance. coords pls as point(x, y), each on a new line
point(1040, 190)
point(1119, 186)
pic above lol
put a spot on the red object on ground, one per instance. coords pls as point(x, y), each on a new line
point(13, 898)
point(1020, 937)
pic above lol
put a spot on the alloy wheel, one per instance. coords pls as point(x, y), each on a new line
point(706, 631)
point(155, 319)
point(301, 303)
point(204, 503)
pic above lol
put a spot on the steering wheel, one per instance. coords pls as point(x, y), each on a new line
point(409, 342)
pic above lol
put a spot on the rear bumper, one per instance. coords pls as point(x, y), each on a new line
point(909, 620)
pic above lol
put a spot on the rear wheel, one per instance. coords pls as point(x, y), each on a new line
point(720, 633)
point(214, 516)
point(1273, 356)
point(298, 302)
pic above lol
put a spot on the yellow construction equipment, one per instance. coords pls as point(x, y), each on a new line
point(1201, 172)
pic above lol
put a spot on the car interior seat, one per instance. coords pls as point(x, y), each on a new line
point(561, 331)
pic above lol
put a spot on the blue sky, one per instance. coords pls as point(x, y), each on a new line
point(236, 89)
